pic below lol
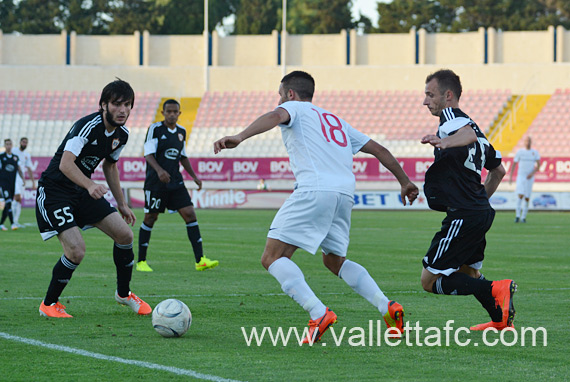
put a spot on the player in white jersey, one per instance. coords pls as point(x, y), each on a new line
point(320, 147)
point(26, 166)
point(529, 162)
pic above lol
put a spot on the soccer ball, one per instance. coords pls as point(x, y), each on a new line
point(171, 318)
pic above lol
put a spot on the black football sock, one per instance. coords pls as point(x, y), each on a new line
point(60, 277)
point(144, 239)
point(195, 239)
point(7, 213)
point(124, 259)
point(461, 284)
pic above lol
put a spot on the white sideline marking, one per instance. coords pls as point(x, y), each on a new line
point(148, 365)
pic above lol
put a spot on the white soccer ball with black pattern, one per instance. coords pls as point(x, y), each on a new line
point(171, 318)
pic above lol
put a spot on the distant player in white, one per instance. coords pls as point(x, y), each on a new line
point(529, 161)
point(26, 166)
point(320, 147)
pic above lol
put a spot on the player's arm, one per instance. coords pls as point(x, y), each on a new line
point(21, 172)
point(493, 180)
point(188, 167)
point(512, 173)
point(262, 124)
point(385, 157)
point(462, 137)
point(112, 177)
point(534, 170)
point(31, 175)
point(68, 167)
point(163, 175)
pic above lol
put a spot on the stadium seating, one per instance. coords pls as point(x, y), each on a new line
point(550, 131)
point(47, 116)
point(397, 119)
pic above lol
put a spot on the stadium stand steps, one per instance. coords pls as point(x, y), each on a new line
point(524, 112)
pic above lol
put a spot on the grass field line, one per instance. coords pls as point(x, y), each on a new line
point(250, 294)
point(85, 353)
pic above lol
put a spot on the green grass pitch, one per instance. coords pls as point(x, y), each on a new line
point(240, 293)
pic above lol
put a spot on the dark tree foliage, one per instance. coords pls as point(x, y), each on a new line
point(264, 16)
point(469, 15)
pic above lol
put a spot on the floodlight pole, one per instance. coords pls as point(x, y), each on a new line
point(284, 38)
point(206, 49)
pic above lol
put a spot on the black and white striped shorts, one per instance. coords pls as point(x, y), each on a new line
point(461, 241)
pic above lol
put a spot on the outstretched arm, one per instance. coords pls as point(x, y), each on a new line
point(262, 124)
point(385, 157)
point(462, 137)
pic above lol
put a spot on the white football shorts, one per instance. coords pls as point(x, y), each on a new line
point(20, 185)
point(524, 185)
point(310, 219)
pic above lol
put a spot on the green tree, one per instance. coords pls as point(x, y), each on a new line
point(85, 17)
point(7, 13)
point(37, 17)
point(257, 16)
point(507, 15)
point(128, 16)
point(187, 17)
point(400, 16)
point(318, 16)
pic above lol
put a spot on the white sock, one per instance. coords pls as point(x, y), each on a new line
point(358, 278)
point(523, 215)
point(16, 210)
point(293, 284)
point(518, 211)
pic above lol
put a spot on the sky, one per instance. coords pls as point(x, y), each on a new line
point(367, 8)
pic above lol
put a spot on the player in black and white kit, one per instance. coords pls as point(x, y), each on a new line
point(9, 169)
point(453, 185)
point(67, 198)
point(165, 151)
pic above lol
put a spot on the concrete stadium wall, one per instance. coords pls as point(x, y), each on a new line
point(189, 81)
point(525, 62)
point(175, 51)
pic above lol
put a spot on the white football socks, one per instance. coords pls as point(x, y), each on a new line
point(518, 210)
point(16, 210)
point(358, 278)
point(293, 284)
point(523, 215)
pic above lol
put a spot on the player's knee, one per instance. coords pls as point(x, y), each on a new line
point(269, 258)
point(75, 253)
point(150, 219)
point(427, 284)
point(333, 263)
point(125, 236)
point(266, 260)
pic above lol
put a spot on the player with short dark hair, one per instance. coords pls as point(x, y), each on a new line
point(453, 185)
point(165, 151)
point(67, 199)
point(9, 170)
point(321, 148)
